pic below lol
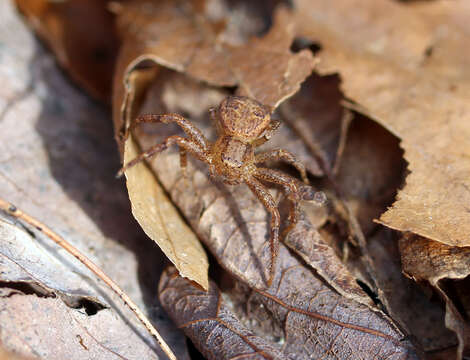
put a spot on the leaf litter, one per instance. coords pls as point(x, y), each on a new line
point(371, 65)
point(405, 66)
point(233, 225)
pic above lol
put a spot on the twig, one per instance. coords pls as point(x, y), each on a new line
point(14, 211)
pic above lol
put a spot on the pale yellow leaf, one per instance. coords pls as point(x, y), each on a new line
point(161, 221)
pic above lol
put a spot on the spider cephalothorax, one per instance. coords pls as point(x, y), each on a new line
point(242, 124)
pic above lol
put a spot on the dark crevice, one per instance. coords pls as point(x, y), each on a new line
point(371, 294)
point(90, 306)
point(301, 43)
point(259, 12)
point(194, 353)
point(458, 291)
point(27, 288)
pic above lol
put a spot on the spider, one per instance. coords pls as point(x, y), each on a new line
point(242, 125)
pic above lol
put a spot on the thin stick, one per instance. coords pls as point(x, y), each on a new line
point(14, 211)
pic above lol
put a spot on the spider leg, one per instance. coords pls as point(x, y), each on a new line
point(284, 155)
point(267, 200)
point(193, 132)
point(268, 133)
point(291, 189)
point(186, 145)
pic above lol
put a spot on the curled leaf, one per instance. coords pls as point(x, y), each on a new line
point(405, 72)
point(178, 36)
point(447, 269)
point(161, 222)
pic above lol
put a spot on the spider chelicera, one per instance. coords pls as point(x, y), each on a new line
point(242, 125)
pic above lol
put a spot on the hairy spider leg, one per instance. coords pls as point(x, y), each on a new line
point(267, 200)
point(195, 135)
point(268, 133)
point(289, 184)
point(186, 144)
point(284, 155)
point(187, 126)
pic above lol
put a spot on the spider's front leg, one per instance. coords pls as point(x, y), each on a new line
point(268, 133)
point(267, 200)
point(190, 130)
point(284, 155)
point(196, 145)
point(186, 146)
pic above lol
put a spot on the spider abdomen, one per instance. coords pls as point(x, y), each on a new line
point(231, 158)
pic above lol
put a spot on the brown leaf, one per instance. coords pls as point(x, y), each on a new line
point(447, 269)
point(323, 259)
point(200, 313)
point(207, 320)
point(406, 65)
point(316, 116)
point(414, 309)
point(429, 260)
point(86, 52)
point(205, 46)
point(161, 222)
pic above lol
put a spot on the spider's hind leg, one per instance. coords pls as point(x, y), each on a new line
point(291, 189)
point(267, 200)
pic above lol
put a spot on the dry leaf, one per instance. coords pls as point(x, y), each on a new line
point(24, 260)
point(208, 47)
point(44, 327)
point(217, 333)
point(406, 65)
point(323, 259)
point(161, 222)
point(421, 314)
point(205, 318)
point(442, 266)
point(317, 117)
point(86, 52)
